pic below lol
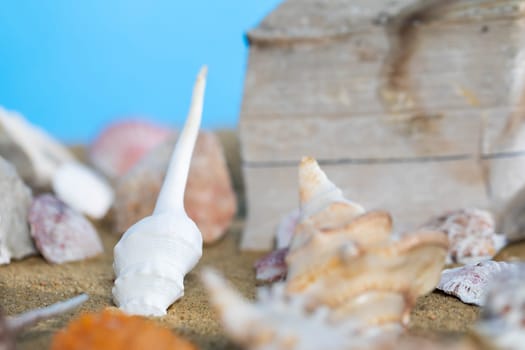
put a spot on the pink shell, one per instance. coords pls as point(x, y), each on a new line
point(272, 267)
point(471, 235)
point(470, 283)
point(121, 145)
point(61, 234)
point(286, 228)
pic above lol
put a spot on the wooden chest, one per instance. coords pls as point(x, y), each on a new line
point(409, 106)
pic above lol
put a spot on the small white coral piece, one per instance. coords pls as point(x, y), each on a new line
point(83, 189)
point(154, 254)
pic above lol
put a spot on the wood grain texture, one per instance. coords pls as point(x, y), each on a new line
point(412, 192)
point(420, 90)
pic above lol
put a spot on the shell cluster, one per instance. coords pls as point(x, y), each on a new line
point(45, 163)
point(344, 263)
point(471, 233)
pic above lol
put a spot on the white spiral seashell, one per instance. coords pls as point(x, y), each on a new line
point(155, 254)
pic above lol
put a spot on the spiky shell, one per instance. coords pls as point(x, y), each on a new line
point(279, 321)
point(349, 262)
point(322, 201)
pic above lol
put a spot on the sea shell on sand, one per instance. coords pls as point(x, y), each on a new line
point(277, 321)
point(15, 240)
point(154, 254)
point(61, 233)
point(350, 263)
point(471, 235)
point(34, 153)
point(122, 144)
point(209, 200)
point(502, 321)
point(470, 283)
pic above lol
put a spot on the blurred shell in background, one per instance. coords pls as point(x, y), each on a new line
point(15, 199)
point(209, 200)
point(122, 144)
point(61, 233)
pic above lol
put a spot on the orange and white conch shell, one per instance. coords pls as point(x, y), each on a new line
point(348, 261)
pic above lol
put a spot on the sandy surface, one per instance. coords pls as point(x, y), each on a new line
point(32, 283)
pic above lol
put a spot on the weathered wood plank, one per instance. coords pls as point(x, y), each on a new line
point(460, 132)
point(456, 66)
point(412, 192)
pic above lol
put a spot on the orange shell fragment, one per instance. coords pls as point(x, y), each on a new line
point(115, 330)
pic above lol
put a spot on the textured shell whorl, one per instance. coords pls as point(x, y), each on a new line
point(151, 261)
point(347, 260)
point(317, 192)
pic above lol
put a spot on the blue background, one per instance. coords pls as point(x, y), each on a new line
point(73, 66)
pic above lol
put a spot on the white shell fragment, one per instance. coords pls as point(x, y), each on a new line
point(470, 282)
point(15, 199)
point(154, 254)
point(34, 153)
point(83, 189)
point(62, 234)
point(277, 321)
point(502, 323)
point(286, 228)
point(471, 235)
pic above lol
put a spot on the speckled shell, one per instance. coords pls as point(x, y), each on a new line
point(62, 234)
point(471, 235)
point(470, 283)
